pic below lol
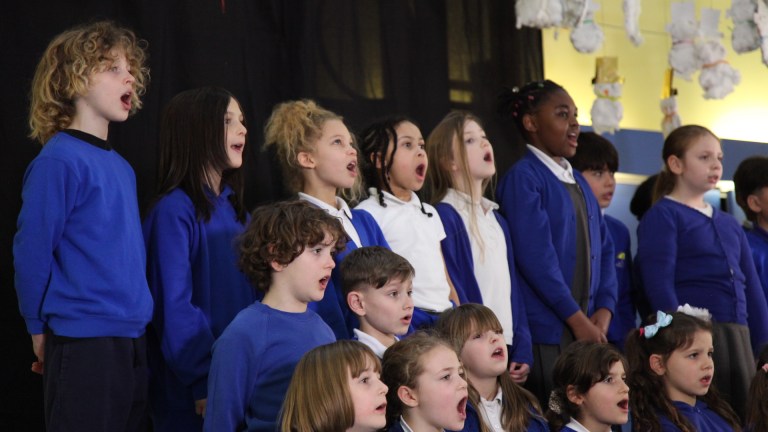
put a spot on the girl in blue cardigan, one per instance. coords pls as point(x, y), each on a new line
point(690, 252)
point(319, 161)
point(563, 251)
point(477, 236)
point(191, 253)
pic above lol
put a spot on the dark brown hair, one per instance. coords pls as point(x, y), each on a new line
point(516, 102)
point(750, 177)
point(279, 233)
point(373, 266)
point(594, 153)
point(193, 142)
point(757, 408)
point(648, 395)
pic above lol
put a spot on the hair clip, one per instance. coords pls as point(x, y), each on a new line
point(540, 84)
point(515, 89)
point(662, 320)
point(696, 312)
point(530, 97)
point(765, 367)
point(554, 403)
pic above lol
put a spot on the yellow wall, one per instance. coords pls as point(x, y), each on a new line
point(742, 115)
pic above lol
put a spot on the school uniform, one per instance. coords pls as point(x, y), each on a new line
point(371, 342)
point(574, 426)
point(701, 417)
point(535, 197)
point(625, 317)
point(80, 278)
point(198, 289)
point(758, 242)
point(253, 362)
point(416, 237)
point(501, 289)
point(362, 230)
point(686, 256)
point(492, 417)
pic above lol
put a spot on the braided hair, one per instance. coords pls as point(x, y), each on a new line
point(516, 102)
point(374, 143)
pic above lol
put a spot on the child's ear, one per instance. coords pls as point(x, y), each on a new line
point(675, 165)
point(355, 303)
point(573, 395)
point(276, 266)
point(376, 159)
point(754, 204)
point(529, 123)
point(305, 159)
point(408, 396)
point(656, 363)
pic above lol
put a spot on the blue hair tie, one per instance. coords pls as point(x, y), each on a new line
point(662, 320)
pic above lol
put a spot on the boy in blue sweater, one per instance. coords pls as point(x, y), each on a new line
point(287, 252)
point(78, 253)
point(751, 178)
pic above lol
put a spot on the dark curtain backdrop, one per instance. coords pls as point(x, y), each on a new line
point(361, 58)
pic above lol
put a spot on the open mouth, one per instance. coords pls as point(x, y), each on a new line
point(498, 353)
point(714, 179)
point(126, 100)
point(237, 147)
point(352, 167)
point(623, 404)
point(406, 320)
point(461, 408)
point(707, 380)
point(573, 137)
point(421, 170)
point(324, 281)
point(488, 157)
point(382, 409)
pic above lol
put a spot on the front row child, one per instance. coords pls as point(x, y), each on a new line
point(336, 387)
point(590, 391)
point(427, 390)
point(671, 371)
point(495, 401)
point(287, 251)
point(377, 284)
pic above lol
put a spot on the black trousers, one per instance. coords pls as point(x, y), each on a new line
point(95, 384)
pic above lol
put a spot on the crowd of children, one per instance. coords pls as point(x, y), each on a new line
point(450, 312)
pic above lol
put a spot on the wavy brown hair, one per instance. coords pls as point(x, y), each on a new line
point(649, 397)
point(318, 398)
point(294, 127)
point(457, 326)
point(66, 67)
point(279, 233)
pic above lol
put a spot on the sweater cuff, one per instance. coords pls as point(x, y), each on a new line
point(34, 326)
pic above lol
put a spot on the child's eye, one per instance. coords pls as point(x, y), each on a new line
point(410, 293)
point(394, 294)
point(469, 141)
point(476, 336)
point(227, 121)
point(446, 377)
point(337, 141)
point(608, 379)
point(422, 145)
point(499, 332)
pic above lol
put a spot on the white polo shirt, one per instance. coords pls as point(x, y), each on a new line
point(416, 237)
point(343, 213)
point(490, 258)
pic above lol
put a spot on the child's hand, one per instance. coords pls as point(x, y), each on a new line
point(200, 407)
point(602, 319)
point(38, 347)
point(584, 329)
point(519, 372)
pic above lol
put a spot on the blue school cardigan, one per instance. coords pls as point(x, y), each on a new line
point(758, 242)
point(457, 252)
point(684, 256)
point(542, 225)
point(624, 319)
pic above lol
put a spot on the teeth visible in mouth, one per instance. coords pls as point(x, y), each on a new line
point(352, 166)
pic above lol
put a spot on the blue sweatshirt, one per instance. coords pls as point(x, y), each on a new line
point(253, 361)
point(78, 252)
point(758, 242)
point(684, 256)
point(542, 224)
point(457, 252)
point(624, 319)
point(198, 289)
point(701, 417)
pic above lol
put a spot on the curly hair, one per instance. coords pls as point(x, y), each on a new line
point(292, 128)
point(279, 233)
point(648, 395)
point(517, 102)
point(66, 67)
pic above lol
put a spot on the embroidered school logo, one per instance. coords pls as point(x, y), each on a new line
point(621, 258)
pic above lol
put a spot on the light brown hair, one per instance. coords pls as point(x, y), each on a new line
point(65, 69)
point(676, 144)
point(373, 266)
point(318, 398)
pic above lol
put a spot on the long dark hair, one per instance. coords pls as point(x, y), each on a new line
point(648, 395)
point(192, 142)
point(757, 407)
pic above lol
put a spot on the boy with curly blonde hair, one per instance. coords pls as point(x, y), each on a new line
point(78, 252)
point(287, 252)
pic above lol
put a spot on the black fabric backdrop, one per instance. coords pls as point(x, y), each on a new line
point(361, 58)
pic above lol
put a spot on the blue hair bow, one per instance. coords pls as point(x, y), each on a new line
point(662, 320)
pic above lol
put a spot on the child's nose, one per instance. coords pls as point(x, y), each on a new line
point(383, 389)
